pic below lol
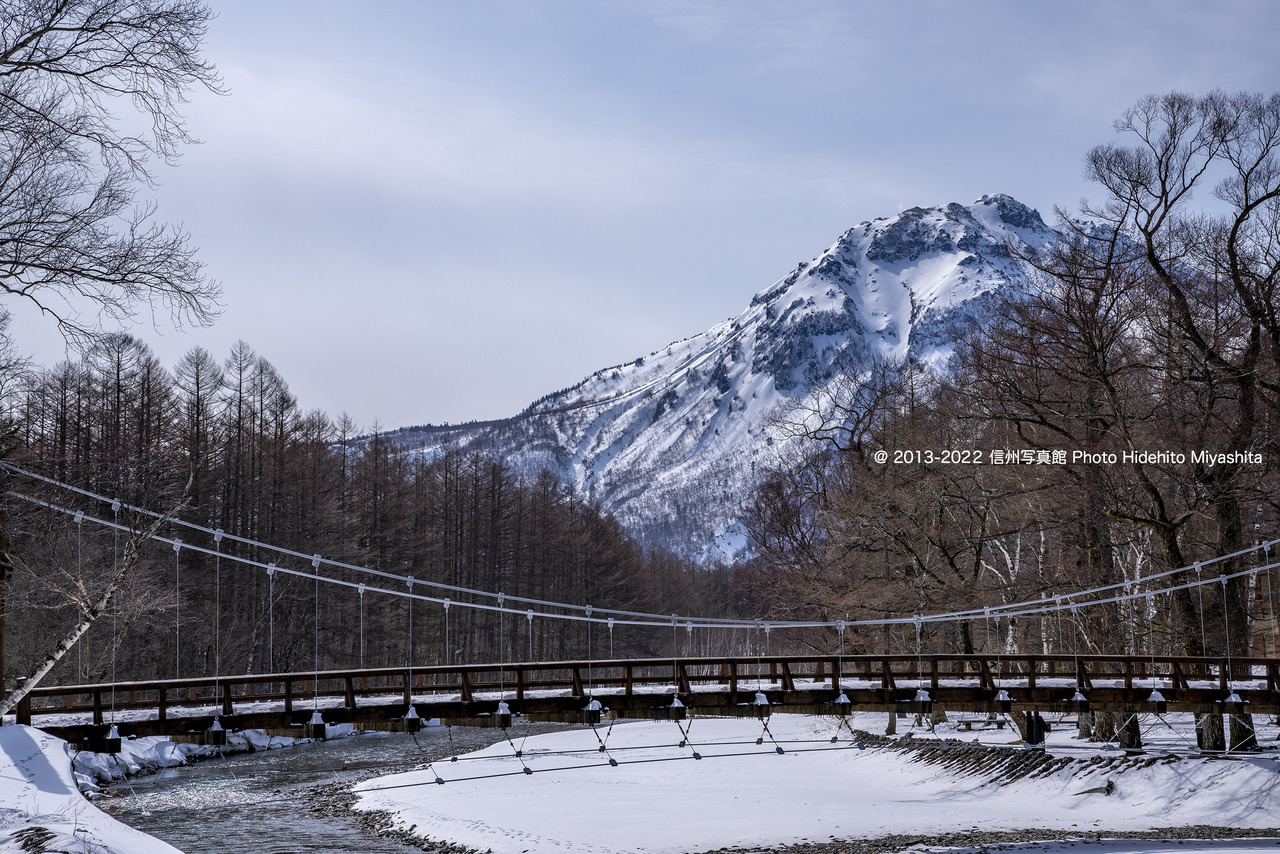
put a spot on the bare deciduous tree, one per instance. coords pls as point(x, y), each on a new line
point(75, 241)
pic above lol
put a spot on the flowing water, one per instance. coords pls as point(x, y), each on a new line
point(262, 802)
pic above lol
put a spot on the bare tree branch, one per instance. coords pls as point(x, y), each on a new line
point(74, 240)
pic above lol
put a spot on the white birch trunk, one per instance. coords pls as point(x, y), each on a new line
point(132, 551)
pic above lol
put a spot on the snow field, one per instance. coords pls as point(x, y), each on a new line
point(660, 799)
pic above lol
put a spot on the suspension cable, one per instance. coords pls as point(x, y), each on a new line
point(1204, 644)
point(217, 611)
point(1226, 627)
point(115, 612)
point(79, 576)
point(1029, 607)
point(177, 609)
point(315, 563)
point(1009, 609)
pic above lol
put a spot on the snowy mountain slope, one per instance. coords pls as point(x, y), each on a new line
point(671, 443)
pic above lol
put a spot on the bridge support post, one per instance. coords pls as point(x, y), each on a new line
point(100, 741)
point(1036, 729)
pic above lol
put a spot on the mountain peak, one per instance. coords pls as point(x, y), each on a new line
point(672, 443)
point(1015, 214)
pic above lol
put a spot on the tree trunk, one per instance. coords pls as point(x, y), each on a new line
point(1130, 734)
point(1020, 721)
point(1105, 725)
point(1209, 735)
point(1243, 735)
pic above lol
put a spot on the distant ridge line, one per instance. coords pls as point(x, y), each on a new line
point(532, 411)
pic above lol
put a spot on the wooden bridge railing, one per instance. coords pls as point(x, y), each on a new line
point(1043, 682)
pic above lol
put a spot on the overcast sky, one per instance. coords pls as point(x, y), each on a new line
point(428, 211)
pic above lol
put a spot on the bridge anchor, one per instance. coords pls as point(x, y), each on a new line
point(107, 740)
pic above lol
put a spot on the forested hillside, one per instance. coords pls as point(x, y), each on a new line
point(120, 424)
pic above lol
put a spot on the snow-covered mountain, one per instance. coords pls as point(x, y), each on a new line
point(672, 442)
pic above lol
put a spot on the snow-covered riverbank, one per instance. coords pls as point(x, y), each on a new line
point(45, 788)
point(144, 755)
point(41, 808)
point(661, 798)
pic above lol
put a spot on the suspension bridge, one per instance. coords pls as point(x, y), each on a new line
point(667, 688)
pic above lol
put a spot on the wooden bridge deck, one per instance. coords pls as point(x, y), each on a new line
point(374, 698)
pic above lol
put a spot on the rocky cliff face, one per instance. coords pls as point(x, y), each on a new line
point(672, 442)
